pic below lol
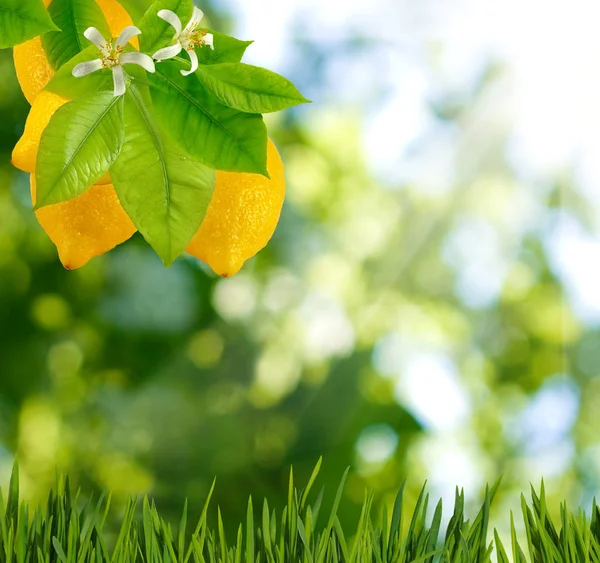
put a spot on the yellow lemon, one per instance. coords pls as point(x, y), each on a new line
point(32, 66)
point(87, 226)
point(24, 154)
point(241, 218)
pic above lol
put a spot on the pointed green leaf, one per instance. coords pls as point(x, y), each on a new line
point(12, 502)
point(226, 49)
point(78, 146)
point(218, 136)
point(163, 190)
point(434, 529)
point(183, 530)
point(311, 482)
point(250, 532)
point(500, 551)
point(396, 523)
point(21, 20)
point(249, 88)
point(59, 550)
point(73, 17)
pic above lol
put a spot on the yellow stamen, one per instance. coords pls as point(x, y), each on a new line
point(113, 58)
point(197, 39)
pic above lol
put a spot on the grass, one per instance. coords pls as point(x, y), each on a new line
point(69, 530)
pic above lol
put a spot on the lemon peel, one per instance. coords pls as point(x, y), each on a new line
point(241, 218)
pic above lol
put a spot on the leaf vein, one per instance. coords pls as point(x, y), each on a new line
point(162, 161)
point(209, 116)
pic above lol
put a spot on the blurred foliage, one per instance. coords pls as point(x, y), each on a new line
point(376, 329)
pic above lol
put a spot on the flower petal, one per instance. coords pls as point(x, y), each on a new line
point(209, 40)
point(171, 18)
point(125, 35)
point(83, 69)
point(119, 80)
point(194, 22)
point(139, 59)
point(194, 59)
point(93, 35)
point(167, 52)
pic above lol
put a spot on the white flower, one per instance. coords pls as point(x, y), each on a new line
point(188, 39)
point(113, 57)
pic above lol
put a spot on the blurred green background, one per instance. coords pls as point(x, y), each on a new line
point(428, 307)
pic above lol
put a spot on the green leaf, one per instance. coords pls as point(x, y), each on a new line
point(163, 190)
point(73, 17)
point(65, 84)
point(12, 503)
point(21, 20)
point(249, 88)
point(157, 33)
point(250, 532)
point(218, 136)
point(59, 550)
point(78, 146)
point(227, 50)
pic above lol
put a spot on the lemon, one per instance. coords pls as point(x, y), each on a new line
point(32, 66)
point(241, 217)
point(24, 154)
point(87, 226)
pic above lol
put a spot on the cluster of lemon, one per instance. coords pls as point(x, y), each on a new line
point(241, 217)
